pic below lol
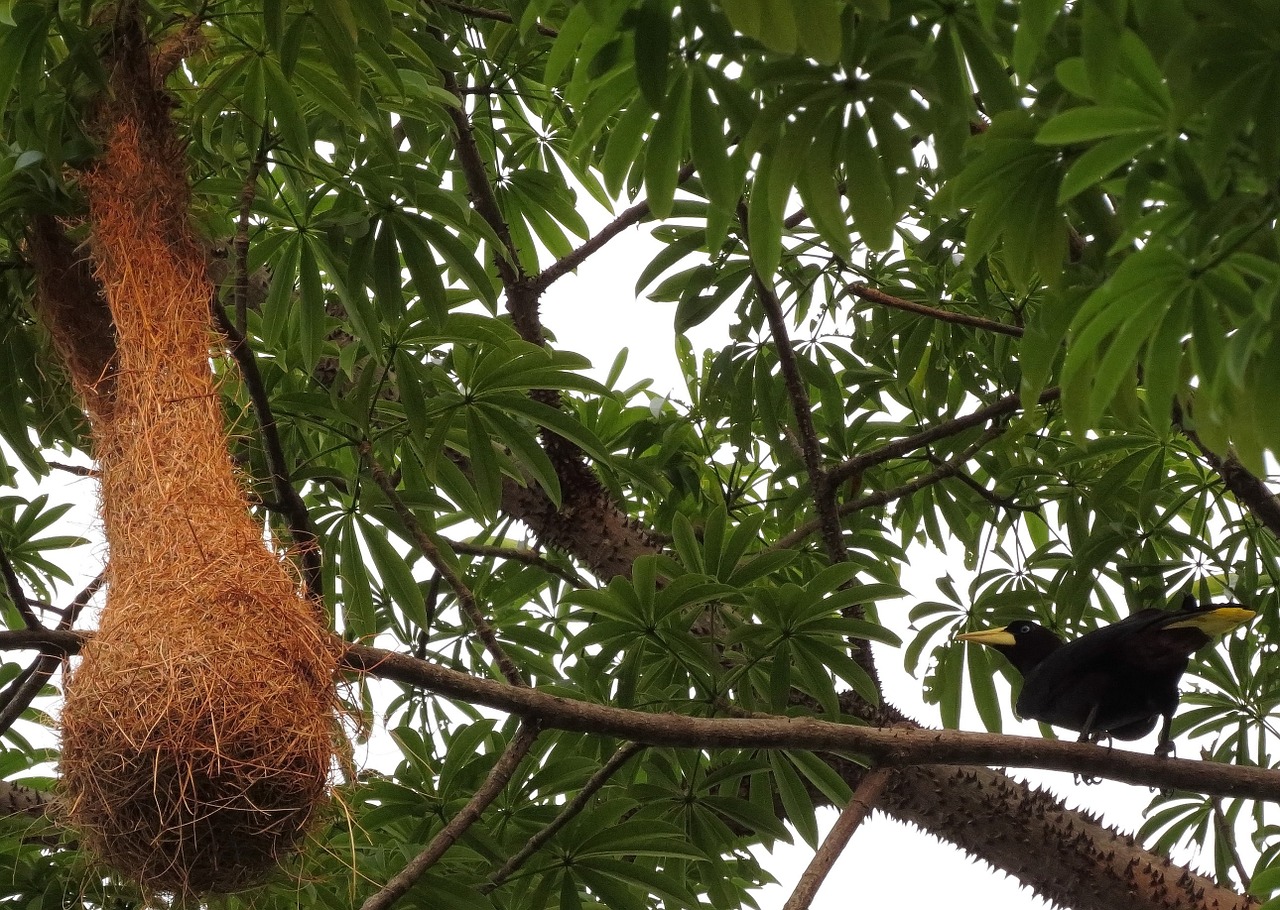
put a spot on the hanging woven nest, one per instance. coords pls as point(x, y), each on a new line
point(199, 731)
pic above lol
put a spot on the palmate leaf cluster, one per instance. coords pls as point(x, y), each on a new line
point(1096, 180)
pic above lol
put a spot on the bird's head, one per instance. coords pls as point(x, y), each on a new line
point(1024, 643)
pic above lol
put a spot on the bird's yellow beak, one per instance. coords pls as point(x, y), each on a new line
point(1214, 622)
point(991, 637)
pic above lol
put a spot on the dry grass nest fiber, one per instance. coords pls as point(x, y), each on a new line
point(199, 729)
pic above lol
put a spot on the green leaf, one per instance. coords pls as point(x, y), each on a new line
point(1084, 124)
point(795, 798)
point(396, 576)
point(870, 200)
point(653, 50)
point(1098, 162)
point(665, 149)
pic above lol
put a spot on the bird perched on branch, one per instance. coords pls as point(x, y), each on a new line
point(1113, 682)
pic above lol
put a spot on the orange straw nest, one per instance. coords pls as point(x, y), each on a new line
point(199, 730)
point(198, 739)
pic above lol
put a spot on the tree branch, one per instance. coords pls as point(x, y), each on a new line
point(871, 295)
point(566, 815)
point(13, 586)
point(497, 779)
point(520, 556)
point(290, 501)
point(950, 468)
point(629, 218)
point(428, 548)
point(907, 444)
point(890, 747)
point(860, 805)
point(821, 483)
point(28, 684)
point(483, 199)
point(240, 244)
point(476, 12)
point(1248, 489)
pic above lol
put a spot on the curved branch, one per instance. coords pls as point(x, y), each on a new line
point(871, 295)
point(952, 467)
point(890, 747)
point(907, 444)
point(628, 218)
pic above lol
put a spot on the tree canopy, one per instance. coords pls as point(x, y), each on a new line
point(1000, 278)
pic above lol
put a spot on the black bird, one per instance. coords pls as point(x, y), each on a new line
point(1115, 681)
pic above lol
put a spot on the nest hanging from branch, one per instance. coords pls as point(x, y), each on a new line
point(199, 729)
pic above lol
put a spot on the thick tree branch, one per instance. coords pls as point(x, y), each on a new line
point(902, 746)
point(860, 805)
point(290, 501)
point(567, 814)
point(466, 599)
point(493, 784)
point(1066, 856)
point(16, 799)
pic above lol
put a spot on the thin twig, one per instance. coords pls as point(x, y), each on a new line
point(240, 244)
point(566, 814)
point(907, 444)
point(822, 486)
point(428, 548)
point(870, 294)
point(497, 779)
point(28, 684)
point(480, 187)
point(78, 470)
point(628, 218)
point(521, 556)
point(1226, 835)
point(949, 468)
point(494, 15)
point(288, 499)
point(24, 688)
point(859, 806)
